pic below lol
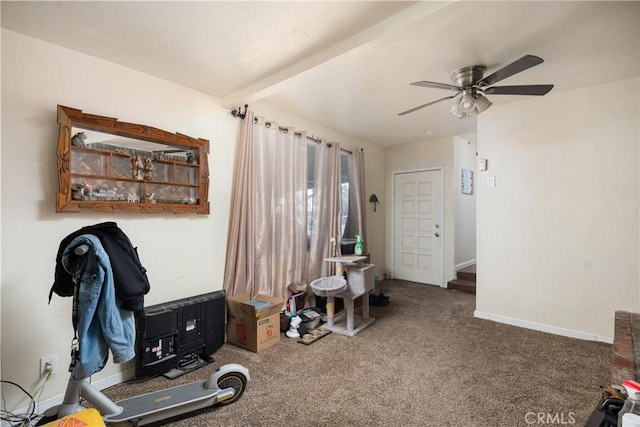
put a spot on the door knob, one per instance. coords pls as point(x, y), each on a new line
point(437, 234)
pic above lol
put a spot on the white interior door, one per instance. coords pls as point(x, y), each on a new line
point(418, 231)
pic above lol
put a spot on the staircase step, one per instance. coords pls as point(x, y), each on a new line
point(462, 285)
point(468, 273)
point(466, 276)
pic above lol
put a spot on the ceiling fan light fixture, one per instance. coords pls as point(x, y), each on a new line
point(470, 104)
point(482, 103)
point(455, 110)
point(467, 103)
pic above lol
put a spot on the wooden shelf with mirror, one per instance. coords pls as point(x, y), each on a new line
point(106, 165)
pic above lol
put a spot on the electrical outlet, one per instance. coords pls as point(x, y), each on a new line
point(46, 362)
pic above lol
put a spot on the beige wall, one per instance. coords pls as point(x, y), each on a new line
point(464, 157)
point(414, 157)
point(558, 235)
point(184, 254)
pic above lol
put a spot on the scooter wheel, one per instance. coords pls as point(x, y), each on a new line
point(235, 380)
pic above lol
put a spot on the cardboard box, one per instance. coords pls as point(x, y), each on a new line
point(251, 329)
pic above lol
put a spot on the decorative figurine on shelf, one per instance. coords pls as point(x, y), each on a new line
point(87, 190)
point(133, 197)
point(77, 190)
point(148, 168)
point(137, 167)
point(190, 157)
point(78, 139)
point(149, 198)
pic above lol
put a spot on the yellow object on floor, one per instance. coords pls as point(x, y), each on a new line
point(86, 418)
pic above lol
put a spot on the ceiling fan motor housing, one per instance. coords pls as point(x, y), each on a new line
point(468, 76)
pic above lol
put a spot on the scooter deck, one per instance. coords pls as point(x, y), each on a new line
point(163, 400)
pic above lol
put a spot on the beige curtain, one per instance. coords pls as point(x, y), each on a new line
point(266, 248)
point(357, 196)
point(239, 266)
point(326, 212)
point(280, 209)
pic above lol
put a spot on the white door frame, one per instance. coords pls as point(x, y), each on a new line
point(443, 283)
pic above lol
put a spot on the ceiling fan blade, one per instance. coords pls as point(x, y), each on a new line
point(519, 90)
point(515, 67)
point(436, 85)
point(426, 105)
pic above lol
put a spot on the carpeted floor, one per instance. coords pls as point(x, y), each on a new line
point(426, 361)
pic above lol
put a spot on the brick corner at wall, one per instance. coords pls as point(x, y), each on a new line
point(626, 347)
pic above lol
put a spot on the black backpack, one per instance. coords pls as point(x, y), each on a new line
point(130, 277)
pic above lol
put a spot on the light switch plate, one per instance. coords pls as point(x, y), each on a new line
point(491, 181)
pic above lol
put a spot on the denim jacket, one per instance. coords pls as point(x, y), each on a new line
point(102, 324)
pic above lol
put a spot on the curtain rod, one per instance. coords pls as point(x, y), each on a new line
point(239, 114)
point(286, 130)
point(299, 134)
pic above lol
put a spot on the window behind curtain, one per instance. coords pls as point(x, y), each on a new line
point(344, 181)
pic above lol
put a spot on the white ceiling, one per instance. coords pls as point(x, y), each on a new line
point(346, 65)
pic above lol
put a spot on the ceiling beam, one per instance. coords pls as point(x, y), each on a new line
point(293, 73)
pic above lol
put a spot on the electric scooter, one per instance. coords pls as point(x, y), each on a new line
point(225, 386)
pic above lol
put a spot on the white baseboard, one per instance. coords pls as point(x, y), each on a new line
point(543, 328)
point(101, 384)
point(464, 265)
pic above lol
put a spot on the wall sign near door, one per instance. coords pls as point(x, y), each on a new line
point(467, 181)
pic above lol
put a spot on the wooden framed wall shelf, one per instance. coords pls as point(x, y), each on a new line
point(105, 165)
